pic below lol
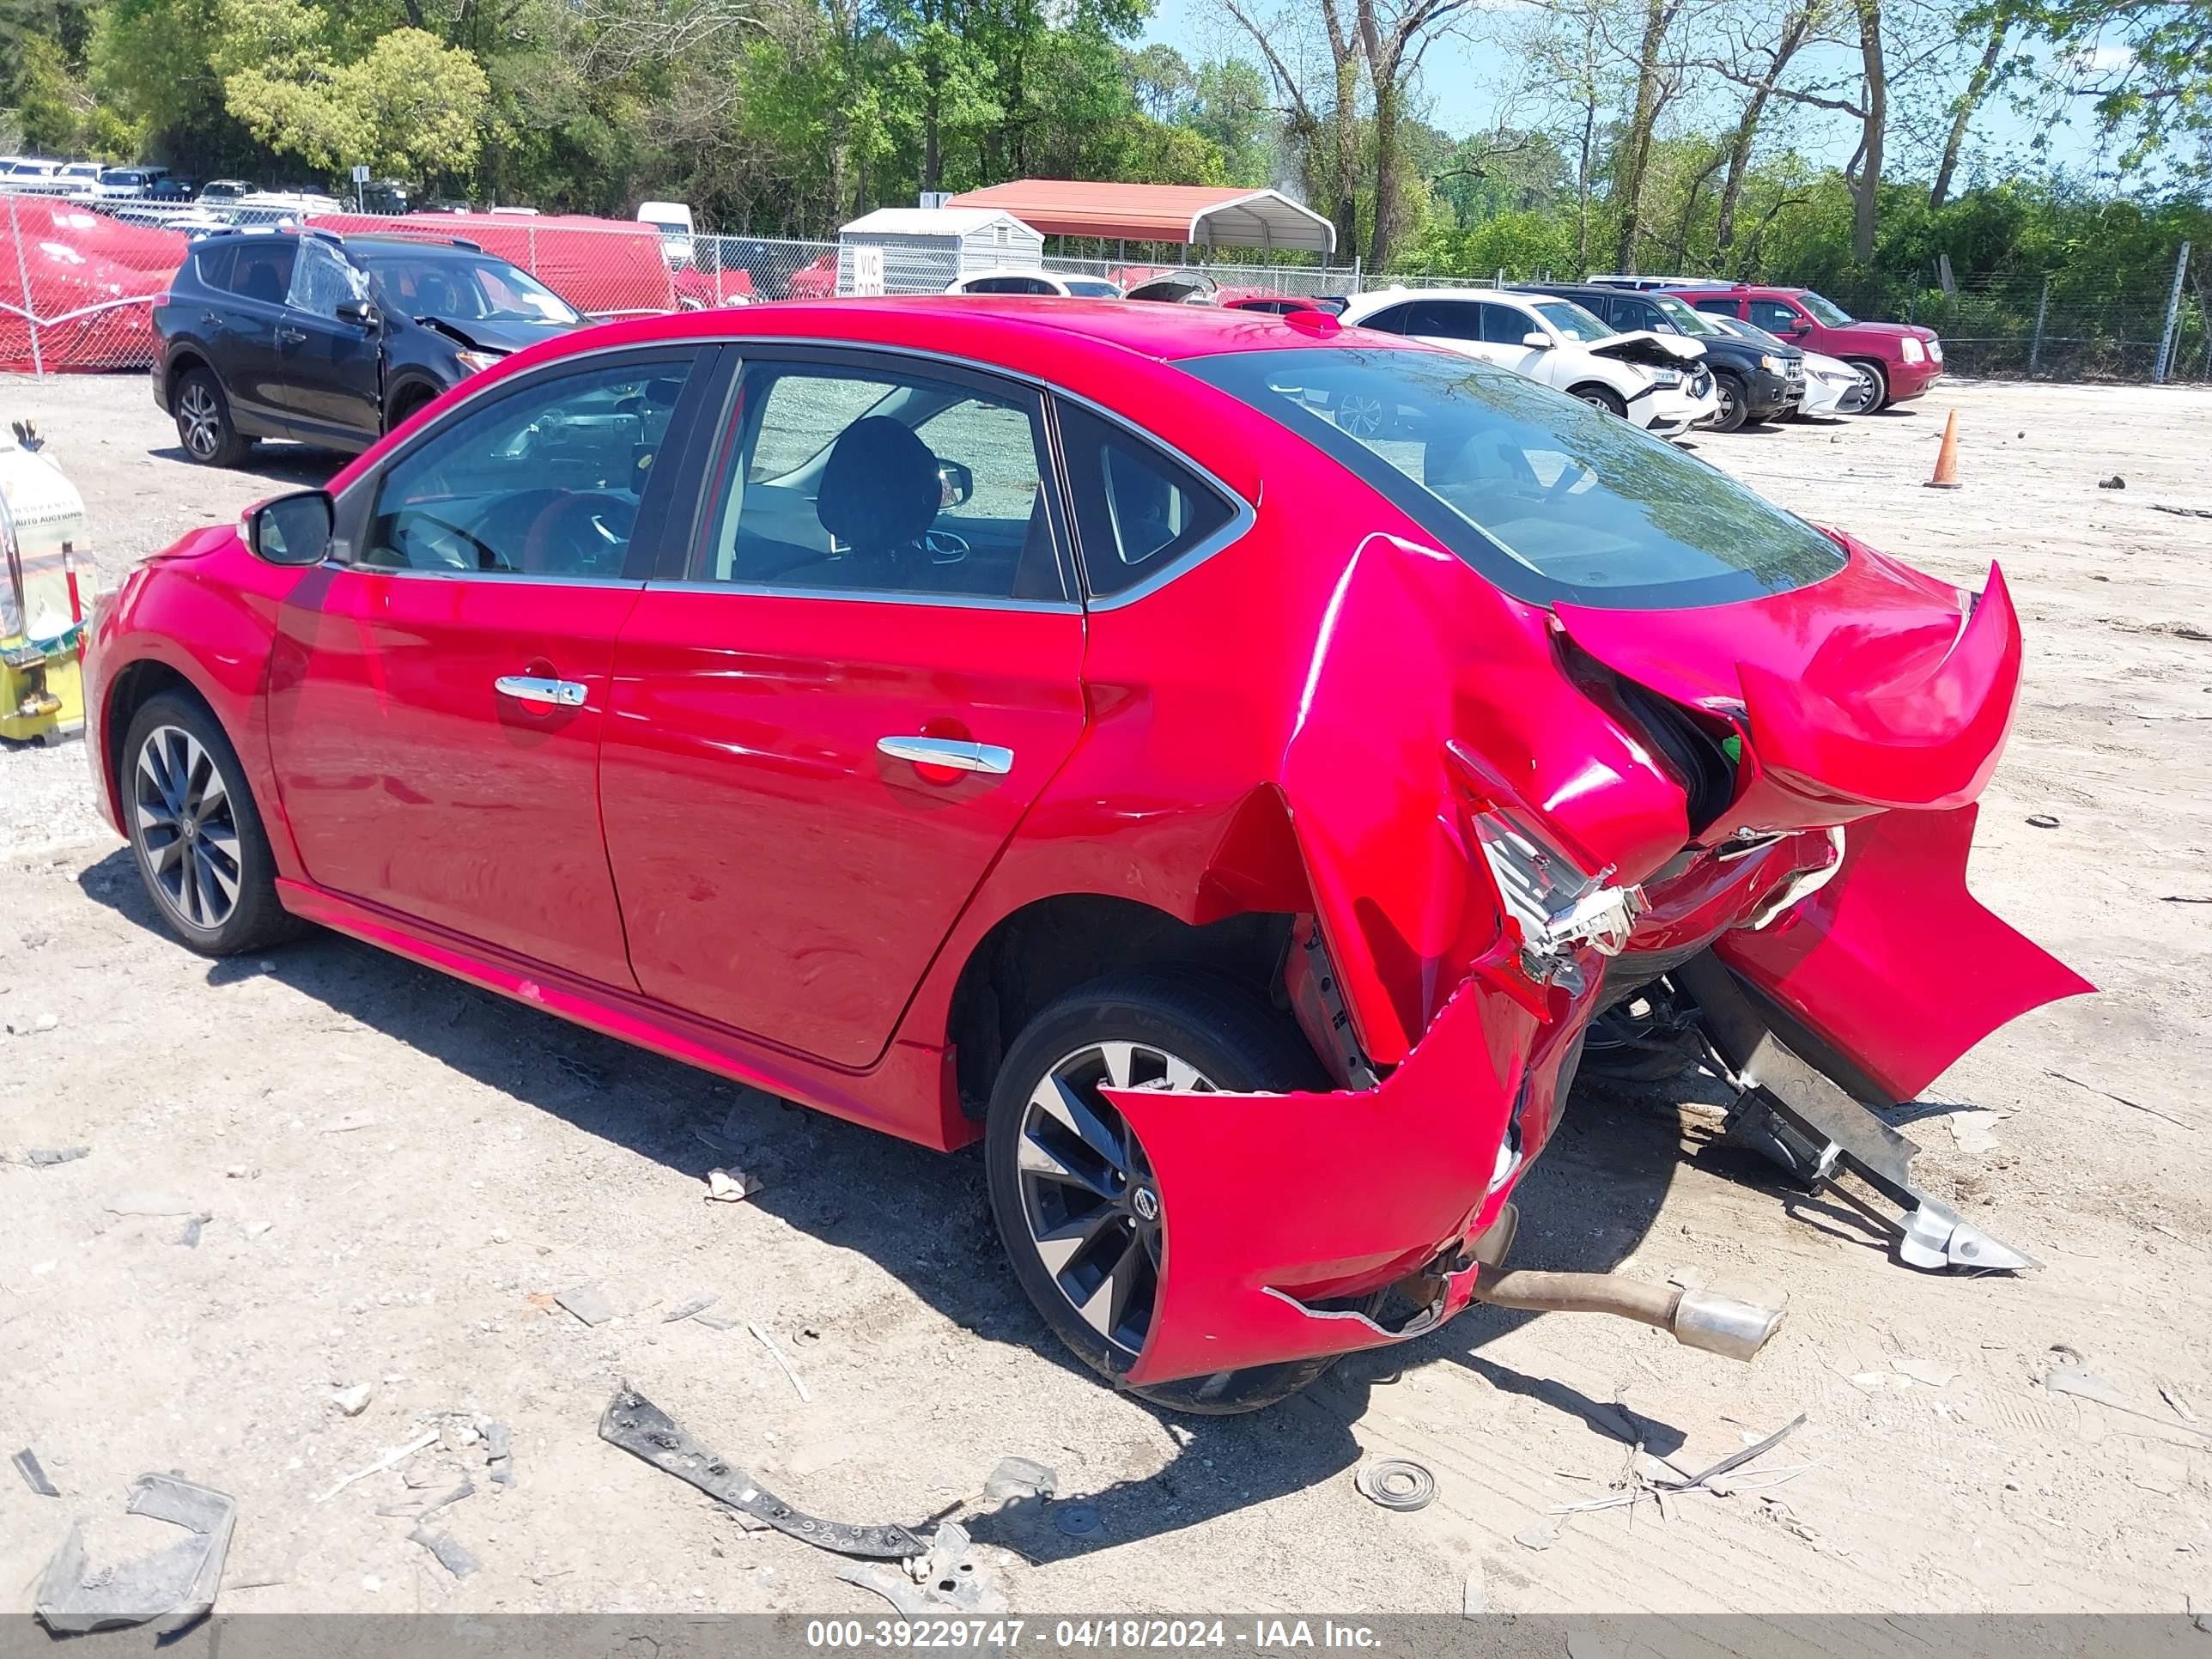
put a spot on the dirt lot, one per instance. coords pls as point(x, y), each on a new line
point(396, 1166)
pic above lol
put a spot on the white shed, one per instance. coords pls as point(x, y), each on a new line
point(925, 250)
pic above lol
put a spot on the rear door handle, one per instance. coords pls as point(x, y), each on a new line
point(530, 688)
point(212, 319)
point(948, 752)
point(289, 336)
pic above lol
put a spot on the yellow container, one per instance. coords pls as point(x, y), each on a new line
point(41, 607)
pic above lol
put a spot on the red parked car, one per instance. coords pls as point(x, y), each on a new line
point(1040, 722)
point(1897, 360)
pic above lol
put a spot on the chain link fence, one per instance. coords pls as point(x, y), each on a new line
point(79, 279)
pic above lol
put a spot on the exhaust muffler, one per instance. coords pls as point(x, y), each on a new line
point(1697, 1319)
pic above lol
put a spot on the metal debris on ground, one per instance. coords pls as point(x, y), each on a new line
point(690, 1305)
point(499, 1453)
point(1020, 1477)
point(776, 1354)
point(2121, 1099)
point(950, 1579)
point(44, 1158)
point(1396, 1483)
point(190, 1237)
point(451, 1555)
point(1635, 1484)
point(638, 1426)
point(2043, 820)
point(170, 1588)
point(392, 1457)
point(27, 1465)
point(420, 1510)
point(588, 1304)
point(1077, 1520)
point(2173, 1397)
point(2184, 511)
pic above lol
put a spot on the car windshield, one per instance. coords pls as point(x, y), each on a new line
point(1546, 497)
point(1571, 320)
point(481, 289)
point(1824, 310)
point(1687, 319)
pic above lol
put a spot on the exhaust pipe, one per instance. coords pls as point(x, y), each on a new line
point(1697, 1319)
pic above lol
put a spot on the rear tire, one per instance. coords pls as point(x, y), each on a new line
point(204, 424)
point(1735, 400)
point(196, 835)
point(1602, 398)
point(1165, 1024)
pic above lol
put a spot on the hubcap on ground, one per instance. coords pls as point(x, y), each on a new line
point(1087, 1196)
point(200, 419)
point(181, 814)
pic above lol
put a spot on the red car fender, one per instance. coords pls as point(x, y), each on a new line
point(1894, 964)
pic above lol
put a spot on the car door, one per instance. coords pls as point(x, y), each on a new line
point(328, 380)
point(1505, 331)
point(1454, 325)
point(1781, 319)
point(827, 721)
point(251, 311)
point(438, 689)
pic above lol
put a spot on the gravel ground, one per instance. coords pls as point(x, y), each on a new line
point(401, 1173)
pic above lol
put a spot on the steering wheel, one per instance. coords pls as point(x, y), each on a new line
point(586, 533)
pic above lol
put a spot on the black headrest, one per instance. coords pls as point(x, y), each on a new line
point(879, 487)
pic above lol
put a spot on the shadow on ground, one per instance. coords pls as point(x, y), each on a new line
point(303, 465)
point(1587, 1204)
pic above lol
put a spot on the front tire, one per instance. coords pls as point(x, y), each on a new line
point(1877, 385)
point(1602, 398)
point(204, 427)
point(194, 832)
point(1070, 1187)
point(1735, 401)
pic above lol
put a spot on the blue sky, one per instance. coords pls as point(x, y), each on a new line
point(1463, 98)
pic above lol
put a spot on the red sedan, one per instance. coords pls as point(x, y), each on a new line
point(1040, 721)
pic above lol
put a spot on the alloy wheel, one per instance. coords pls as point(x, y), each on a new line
point(186, 828)
point(199, 421)
point(1087, 1196)
point(1727, 395)
point(1359, 415)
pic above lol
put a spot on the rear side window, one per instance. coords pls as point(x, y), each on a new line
point(1011, 285)
point(1391, 320)
point(1446, 319)
point(1137, 512)
point(212, 264)
point(262, 268)
point(1719, 307)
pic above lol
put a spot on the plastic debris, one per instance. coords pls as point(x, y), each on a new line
point(2043, 820)
point(190, 1237)
point(1540, 1536)
point(731, 1185)
point(950, 1579)
point(27, 1465)
point(354, 1401)
point(394, 1455)
point(588, 1304)
point(716, 1321)
point(2087, 1385)
point(1020, 1477)
point(688, 1306)
point(170, 1588)
point(499, 1453)
point(776, 1354)
point(44, 1158)
point(1396, 1483)
point(451, 1555)
point(1473, 1596)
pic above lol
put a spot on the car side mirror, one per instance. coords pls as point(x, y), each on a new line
point(360, 313)
point(1536, 340)
point(292, 530)
point(955, 484)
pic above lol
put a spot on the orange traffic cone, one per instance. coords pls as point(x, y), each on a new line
point(1946, 459)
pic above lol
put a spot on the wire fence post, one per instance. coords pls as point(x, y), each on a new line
point(23, 276)
point(2035, 345)
point(2172, 317)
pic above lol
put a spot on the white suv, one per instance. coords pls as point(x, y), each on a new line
point(1657, 381)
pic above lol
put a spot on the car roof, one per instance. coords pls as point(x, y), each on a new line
point(441, 247)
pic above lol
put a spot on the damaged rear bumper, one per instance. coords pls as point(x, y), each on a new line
point(1338, 1194)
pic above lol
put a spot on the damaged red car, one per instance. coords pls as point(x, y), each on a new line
point(1043, 723)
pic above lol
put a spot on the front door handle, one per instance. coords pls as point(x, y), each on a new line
point(289, 336)
point(951, 753)
point(532, 688)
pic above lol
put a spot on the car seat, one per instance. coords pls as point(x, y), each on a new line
point(879, 495)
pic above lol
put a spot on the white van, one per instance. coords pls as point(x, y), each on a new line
point(673, 221)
